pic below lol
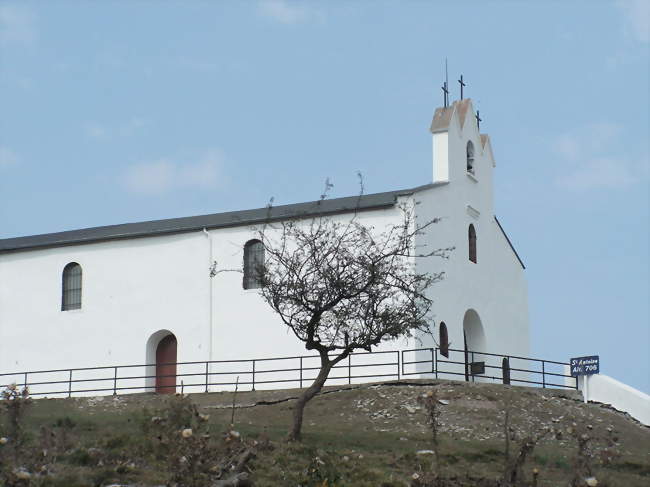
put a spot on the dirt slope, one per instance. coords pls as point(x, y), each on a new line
point(369, 435)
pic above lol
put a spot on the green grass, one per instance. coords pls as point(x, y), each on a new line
point(107, 442)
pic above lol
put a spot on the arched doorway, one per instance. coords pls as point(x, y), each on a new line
point(474, 341)
point(165, 364)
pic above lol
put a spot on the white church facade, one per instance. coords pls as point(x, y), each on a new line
point(119, 295)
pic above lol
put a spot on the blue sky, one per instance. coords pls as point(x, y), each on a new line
point(117, 111)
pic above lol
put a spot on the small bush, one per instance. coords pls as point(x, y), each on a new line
point(320, 473)
point(80, 457)
point(64, 422)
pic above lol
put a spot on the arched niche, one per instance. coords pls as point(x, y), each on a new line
point(474, 338)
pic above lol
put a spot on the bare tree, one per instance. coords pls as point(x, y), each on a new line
point(341, 285)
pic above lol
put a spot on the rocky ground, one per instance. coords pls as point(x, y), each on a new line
point(376, 434)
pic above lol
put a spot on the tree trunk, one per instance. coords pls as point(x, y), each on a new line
point(310, 392)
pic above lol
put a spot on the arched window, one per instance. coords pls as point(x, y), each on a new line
point(253, 264)
point(71, 287)
point(470, 157)
point(444, 340)
point(472, 243)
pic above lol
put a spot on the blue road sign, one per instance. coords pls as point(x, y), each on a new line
point(585, 365)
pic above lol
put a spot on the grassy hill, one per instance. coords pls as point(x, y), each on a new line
point(367, 435)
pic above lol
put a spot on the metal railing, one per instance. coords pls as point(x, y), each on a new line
point(548, 372)
point(294, 371)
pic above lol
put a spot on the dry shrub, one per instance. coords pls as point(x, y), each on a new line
point(192, 454)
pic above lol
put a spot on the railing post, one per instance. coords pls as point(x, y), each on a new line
point(115, 382)
point(349, 369)
point(301, 372)
point(543, 376)
point(435, 358)
point(470, 367)
point(253, 374)
point(70, 384)
point(206, 377)
point(25, 381)
point(398, 366)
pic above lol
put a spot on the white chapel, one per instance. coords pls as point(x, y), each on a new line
point(143, 294)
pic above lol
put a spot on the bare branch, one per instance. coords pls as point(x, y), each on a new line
point(342, 285)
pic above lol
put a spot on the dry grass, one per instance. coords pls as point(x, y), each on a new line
point(357, 436)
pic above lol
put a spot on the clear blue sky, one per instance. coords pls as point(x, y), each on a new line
point(118, 111)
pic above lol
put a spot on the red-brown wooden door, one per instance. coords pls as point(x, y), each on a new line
point(166, 365)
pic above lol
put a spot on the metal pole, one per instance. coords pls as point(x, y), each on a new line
point(398, 365)
point(115, 382)
point(253, 374)
point(70, 384)
point(543, 376)
point(435, 358)
point(350, 369)
point(470, 368)
point(301, 372)
point(25, 382)
point(206, 377)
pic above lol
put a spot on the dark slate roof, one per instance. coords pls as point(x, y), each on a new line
point(215, 220)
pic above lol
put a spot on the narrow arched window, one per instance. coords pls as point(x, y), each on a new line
point(253, 264)
point(71, 287)
point(470, 157)
point(472, 243)
point(444, 340)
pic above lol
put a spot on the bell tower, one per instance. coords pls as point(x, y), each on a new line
point(462, 156)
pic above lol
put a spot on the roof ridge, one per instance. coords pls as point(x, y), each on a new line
point(226, 219)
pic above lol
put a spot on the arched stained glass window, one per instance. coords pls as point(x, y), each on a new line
point(253, 264)
point(71, 287)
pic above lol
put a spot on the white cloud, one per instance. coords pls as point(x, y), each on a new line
point(288, 12)
point(599, 173)
point(637, 18)
point(567, 146)
point(592, 159)
point(96, 131)
point(587, 140)
point(17, 25)
point(7, 157)
point(124, 129)
point(163, 175)
point(131, 126)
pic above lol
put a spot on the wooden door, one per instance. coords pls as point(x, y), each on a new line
point(166, 365)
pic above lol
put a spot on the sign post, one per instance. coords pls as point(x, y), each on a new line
point(585, 366)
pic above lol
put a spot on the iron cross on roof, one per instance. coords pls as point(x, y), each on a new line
point(462, 84)
point(478, 120)
point(445, 90)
